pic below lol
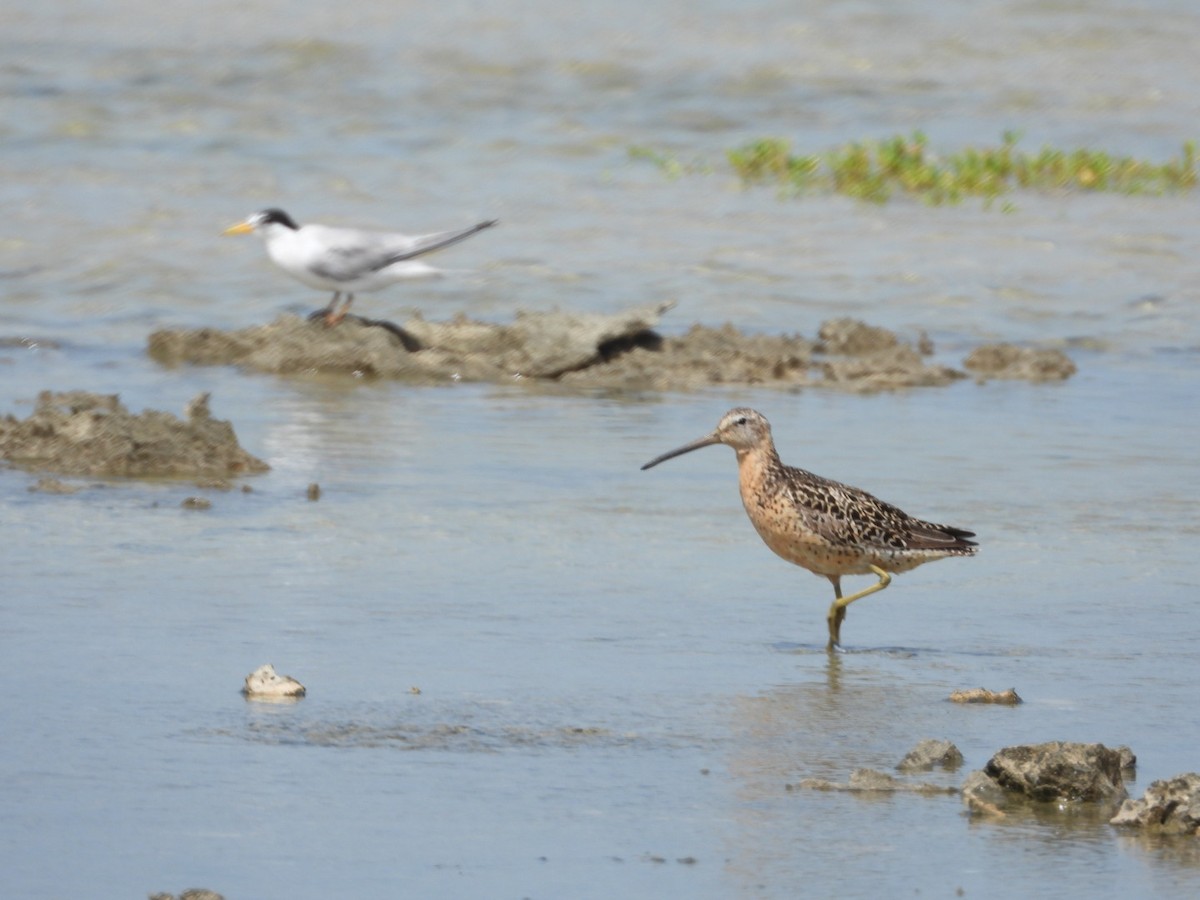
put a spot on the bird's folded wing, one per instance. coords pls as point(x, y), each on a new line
point(350, 261)
point(411, 247)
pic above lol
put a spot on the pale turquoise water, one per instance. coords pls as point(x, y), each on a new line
point(613, 670)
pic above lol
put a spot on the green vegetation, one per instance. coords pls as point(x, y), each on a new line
point(876, 171)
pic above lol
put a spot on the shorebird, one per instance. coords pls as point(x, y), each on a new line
point(346, 260)
point(829, 528)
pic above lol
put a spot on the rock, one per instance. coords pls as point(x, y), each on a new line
point(1011, 361)
point(78, 433)
point(983, 795)
point(870, 358)
point(196, 503)
point(1052, 772)
point(1168, 807)
point(1128, 760)
point(314, 492)
point(930, 753)
point(983, 695)
point(886, 370)
point(53, 486)
point(190, 894)
point(544, 345)
point(215, 484)
point(700, 358)
point(264, 683)
point(871, 781)
point(850, 337)
point(622, 351)
point(537, 345)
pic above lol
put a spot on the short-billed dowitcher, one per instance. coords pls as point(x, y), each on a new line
point(347, 260)
point(829, 528)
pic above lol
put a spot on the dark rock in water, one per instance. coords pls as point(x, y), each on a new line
point(930, 753)
point(1168, 807)
point(190, 894)
point(1128, 760)
point(1011, 361)
point(78, 433)
point(1054, 772)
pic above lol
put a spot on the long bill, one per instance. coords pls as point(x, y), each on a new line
point(706, 441)
point(239, 228)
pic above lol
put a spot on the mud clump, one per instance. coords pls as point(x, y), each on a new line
point(931, 753)
point(983, 695)
point(703, 357)
point(1168, 807)
point(850, 337)
point(1011, 361)
point(79, 433)
point(870, 781)
point(1060, 776)
point(622, 351)
point(541, 346)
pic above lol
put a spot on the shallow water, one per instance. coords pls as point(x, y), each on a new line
point(617, 681)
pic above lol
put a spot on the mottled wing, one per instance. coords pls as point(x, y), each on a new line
point(848, 516)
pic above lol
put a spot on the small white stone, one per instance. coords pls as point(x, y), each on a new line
point(266, 683)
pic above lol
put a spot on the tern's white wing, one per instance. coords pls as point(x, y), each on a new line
point(346, 254)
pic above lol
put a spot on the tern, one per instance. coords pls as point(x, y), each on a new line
point(346, 260)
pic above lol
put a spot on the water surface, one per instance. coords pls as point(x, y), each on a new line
point(617, 681)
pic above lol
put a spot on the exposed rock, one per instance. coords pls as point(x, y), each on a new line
point(700, 358)
point(190, 894)
point(585, 351)
point(53, 486)
point(871, 781)
point(1168, 807)
point(895, 367)
point(196, 503)
point(264, 683)
point(215, 484)
point(1011, 361)
point(1128, 760)
point(983, 695)
point(930, 753)
point(542, 345)
point(983, 795)
point(78, 433)
point(1052, 772)
point(850, 337)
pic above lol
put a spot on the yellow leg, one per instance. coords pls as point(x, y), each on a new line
point(837, 612)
